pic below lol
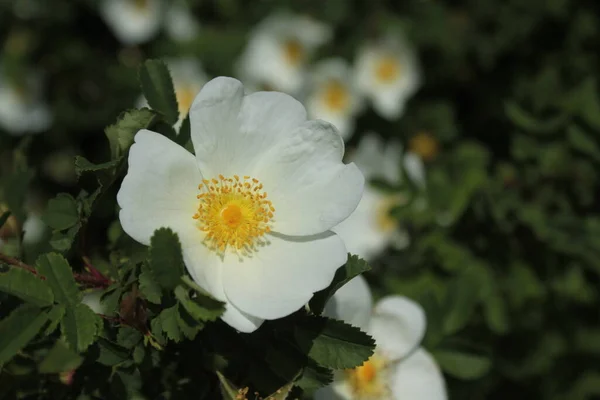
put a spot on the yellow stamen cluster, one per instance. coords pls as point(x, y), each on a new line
point(336, 96)
point(234, 213)
point(425, 145)
point(387, 69)
point(368, 382)
point(293, 51)
point(385, 221)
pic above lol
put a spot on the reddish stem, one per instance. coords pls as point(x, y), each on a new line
point(84, 279)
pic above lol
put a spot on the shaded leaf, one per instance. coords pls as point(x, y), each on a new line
point(55, 315)
point(26, 286)
point(149, 288)
point(463, 365)
point(121, 134)
point(158, 89)
point(61, 212)
point(59, 277)
point(201, 305)
point(333, 343)
point(60, 359)
point(16, 330)
point(80, 326)
point(166, 261)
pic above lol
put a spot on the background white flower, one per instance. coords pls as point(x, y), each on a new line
point(399, 369)
point(133, 21)
point(387, 72)
point(279, 50)
point(254, 207)
point(370, 228)
point(332, 95)
point(180, 23)
point(188, 78)
point(22, 108)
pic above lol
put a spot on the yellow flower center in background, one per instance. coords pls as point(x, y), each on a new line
point(385, 221)
point(336, 95)
point(185, 96)
point(424, 145)
point(293, 51)
point(387, 69)
point(368, 382)
point(234, 212)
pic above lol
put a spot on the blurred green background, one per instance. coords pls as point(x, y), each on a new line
point(505, 257)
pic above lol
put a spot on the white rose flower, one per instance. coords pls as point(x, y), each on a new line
point(388, 73)
point(180, 24)
point(332, 95)
point(92, 299)
point(370, 228)
point(22, 108)
point(133, 21)
point(254, 207)
point(399, 368)
point(279, 49)
point(188, 78)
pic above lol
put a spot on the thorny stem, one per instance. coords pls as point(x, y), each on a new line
point(96, 280)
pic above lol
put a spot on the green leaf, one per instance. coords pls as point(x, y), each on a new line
point(128, 337)
point(60, 278)
point(463, 365)
point(61, 212)
point(228, 390)
point(18, 329)
point(314, 377)
point(82, 165)
point(353, 267)
point(60, 359)
point(14, 187)
point(201, 306)
point(111, 353)
point(188, 325)
point(166, 261)
point(26, 286)
point(80, 326)
point(139, 353)
point(167, 323)
point(333, 343)
point(462, 297)
point(582, 141)
point(121, 134)
point(55, 315)
point(157, 87)
point(529, 123)
point(149, 288)
point(62, 241)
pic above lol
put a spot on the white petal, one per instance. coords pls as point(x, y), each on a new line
point(231, 132)
point(361, 231)
point(398, 326)
point(129, 24)
point(160, 188)
point(206, 269)
point(338, 390)
point(418, 377)
point(283, 275)
point(180, 23)
point(415, 169)
point(311, 189)
point(34, 229)
point(92, 300)
point(352, 303)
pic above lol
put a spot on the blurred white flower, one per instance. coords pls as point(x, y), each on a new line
point(279, 49)
point(180, 24)
point(332, 96)
point(254, 207)
point(399, 368)
point(371, 228)
point(22, 108)
point(133, 21)
point(387, 72)
point(188, 78)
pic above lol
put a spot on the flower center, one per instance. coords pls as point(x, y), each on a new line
point(369, 381)
point(293, 51)
point(387, 69)
point(185, 96)
point(425, 145)
point(336, 96)
point(233, 212)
